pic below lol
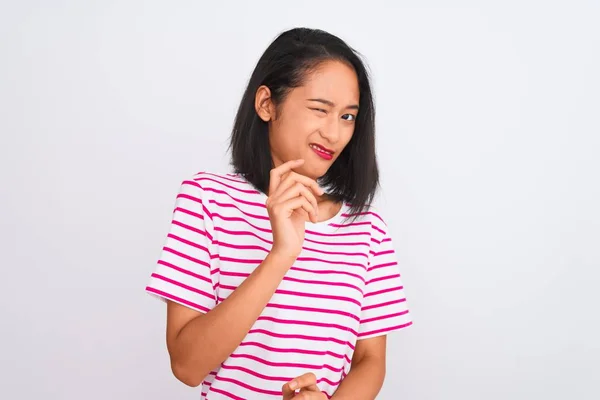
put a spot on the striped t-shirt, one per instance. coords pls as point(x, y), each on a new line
point(344, 286)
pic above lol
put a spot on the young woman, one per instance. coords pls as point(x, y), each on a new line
point(280, 279)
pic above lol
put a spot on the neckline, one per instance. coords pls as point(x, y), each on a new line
point(334, 219)
point(337, 217)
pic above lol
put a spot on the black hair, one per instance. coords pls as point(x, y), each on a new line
point(354, 177)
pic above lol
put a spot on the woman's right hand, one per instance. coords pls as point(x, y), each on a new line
point(291, 203)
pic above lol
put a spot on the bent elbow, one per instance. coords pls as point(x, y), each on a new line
point(189, 376)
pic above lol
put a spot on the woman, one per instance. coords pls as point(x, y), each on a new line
point(280, 280)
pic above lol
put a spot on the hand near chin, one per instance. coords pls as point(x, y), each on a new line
point(303, 387)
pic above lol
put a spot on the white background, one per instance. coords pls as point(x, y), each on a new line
point(489, 144)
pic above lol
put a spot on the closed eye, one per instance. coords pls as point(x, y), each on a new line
point(320, 110)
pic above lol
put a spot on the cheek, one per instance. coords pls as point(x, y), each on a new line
point(288, 133)
point(347, 135)
point(299, 127)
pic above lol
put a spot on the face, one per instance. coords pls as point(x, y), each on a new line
point(315, 121)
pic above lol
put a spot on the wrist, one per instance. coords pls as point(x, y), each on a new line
point(280, 260)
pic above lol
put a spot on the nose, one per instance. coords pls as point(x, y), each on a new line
point(331, 130)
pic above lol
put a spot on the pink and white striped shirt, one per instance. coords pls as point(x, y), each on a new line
point(345, 286)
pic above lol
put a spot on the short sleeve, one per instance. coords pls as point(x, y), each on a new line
point(185, 272)
point(384, 307)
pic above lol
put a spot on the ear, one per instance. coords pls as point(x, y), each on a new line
point(263, 104)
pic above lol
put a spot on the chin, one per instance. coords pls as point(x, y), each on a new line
point(314, 173)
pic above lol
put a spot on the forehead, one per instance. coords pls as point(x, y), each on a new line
point(332, 80)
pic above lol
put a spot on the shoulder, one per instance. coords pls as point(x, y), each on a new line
point(218, 190)
point(218, 182)
point(371, 216)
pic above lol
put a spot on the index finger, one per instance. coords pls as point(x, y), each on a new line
point(308, 381)
point(292, 177)
point(277, 173)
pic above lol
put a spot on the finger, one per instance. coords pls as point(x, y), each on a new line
point(287, 182)
point(287, 391)
point(303, 381)
point(311, 388)
point(298, 190)
point(297, 203)
point(277, 174)
point(309, 396)
point(294, 177)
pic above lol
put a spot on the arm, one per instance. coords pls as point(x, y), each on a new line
point(198, 343)
point(367, 371)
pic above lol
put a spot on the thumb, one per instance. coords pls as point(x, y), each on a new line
point(288, 392)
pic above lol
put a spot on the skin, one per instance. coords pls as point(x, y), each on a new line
point(198, 342)
point(293, 126)
point(302, 119)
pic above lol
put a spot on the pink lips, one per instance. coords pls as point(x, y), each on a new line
point(322, 151)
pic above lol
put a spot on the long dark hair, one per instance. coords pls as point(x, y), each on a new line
point(354, 177)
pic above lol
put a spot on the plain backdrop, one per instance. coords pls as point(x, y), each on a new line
point(488, 118)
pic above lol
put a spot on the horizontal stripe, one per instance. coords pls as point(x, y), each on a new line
point(306, 281)
point(295, 350)
point(272, 378)
point(204, 179)
point(307, 232)
point(193, 229)
point(227, 177)
point(313, 309)
point(367, 223)
point(365, 213)
point(185, 256)
point(176, 298)
point(184, 271)
point(337, 234)
point(265, 250)
point(181, 285)
point(189, 197)
point(327, 272)
point(386, 304)
point(282, 364)
point(389, 264)
point(344, 286)
point(384, 330)
point(226, 394)
point(293, 268)
point(188, 212)
point(212, 190)
point(234, 206)
point(307, 323)
point(335, 253)
point(248, 387)
point(302, 259)
point(258, 375)
point(383, 253)
point(324, 283)
point(383, 278)
point(249, 233)
point(378, 229)
point(366, 321)
point(301, 337)
point(189, 243)
point(318, 296)
point(383, 291)
point(337, 243)
point(335, 262)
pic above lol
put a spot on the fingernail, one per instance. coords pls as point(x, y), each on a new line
point(293, 385)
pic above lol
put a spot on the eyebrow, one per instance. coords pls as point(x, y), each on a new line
point(331, 104)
